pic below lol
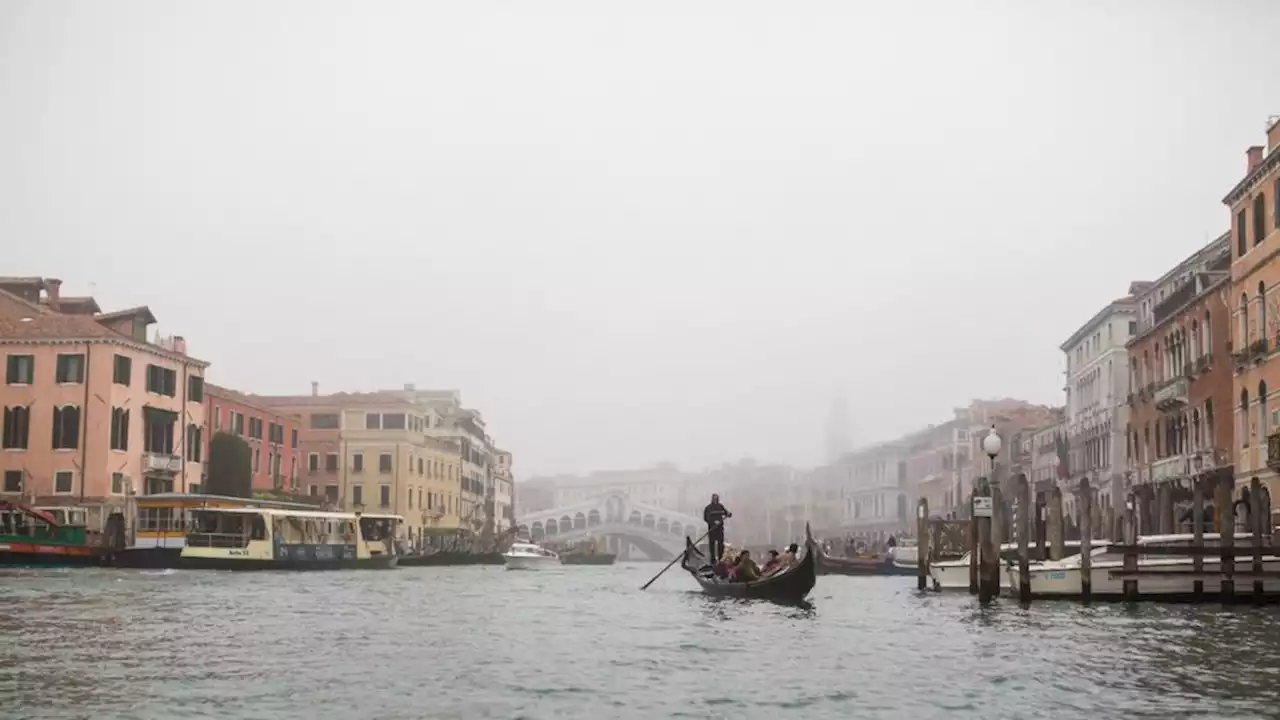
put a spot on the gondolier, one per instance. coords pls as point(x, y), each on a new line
point(714, 515)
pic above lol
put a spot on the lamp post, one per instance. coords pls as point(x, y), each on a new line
point(991, 446)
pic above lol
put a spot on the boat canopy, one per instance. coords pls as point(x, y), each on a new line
point(28, 510)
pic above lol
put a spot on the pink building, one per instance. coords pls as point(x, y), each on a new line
point(92, 411)
point(272, 436)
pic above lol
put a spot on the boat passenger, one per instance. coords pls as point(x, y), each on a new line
point(772, 564)
point(789, 558)
point(746, 569)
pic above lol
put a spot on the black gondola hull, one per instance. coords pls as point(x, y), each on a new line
point(790, 586)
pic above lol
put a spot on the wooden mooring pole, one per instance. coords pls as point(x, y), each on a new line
point(994, 568)
point(1131, 539)
point(1086, 540)
point(1227, 538)
point(1057, 548)
point(1256, 525)
point(1026, 507)
point(984, 508)
point(922, 544)
point(1197, 537)
point(974, 542)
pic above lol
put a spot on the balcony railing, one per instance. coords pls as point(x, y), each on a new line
point(1173, 394)
point(161, 463)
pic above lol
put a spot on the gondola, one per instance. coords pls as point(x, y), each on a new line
point(789, 586)
point(861, 565)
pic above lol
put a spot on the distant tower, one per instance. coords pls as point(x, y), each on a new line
point(839, 428)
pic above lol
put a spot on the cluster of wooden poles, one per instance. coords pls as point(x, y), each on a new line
point(986, 533)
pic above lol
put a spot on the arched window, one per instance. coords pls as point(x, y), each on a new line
point(1243, 430)
point(1207, 335)
point(1262, 311)
point(1195, 339)
point(1244, 323)
point(1262, 424)
point(1196, 439)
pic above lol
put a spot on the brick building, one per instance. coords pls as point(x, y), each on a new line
point(1255, 308)
point(272, 436)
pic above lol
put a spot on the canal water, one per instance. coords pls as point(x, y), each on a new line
point(584, 642)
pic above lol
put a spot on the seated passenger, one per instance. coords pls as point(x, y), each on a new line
point(772, 564)
point(789, 557)
point(746, 569)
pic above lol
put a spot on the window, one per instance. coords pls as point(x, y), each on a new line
point(372, 421)
point(17, 427)
point(357, 463)
point(162, 381)
point(293, 438)
point(312, 490)
point(235, 422)
point(119, 429)
point(384, 463)
point(313, 463)
point(1259, 218)
point(331, 462)
point(70, 369)
point(1133, 327)
point(13, 481)
point(257, 460)
point(63, 481)
point(324, 421)
point(384, 495)
point(393, 421)
point(217, 418)
point(66, 427)
point(1242, 235)
point(255, 428)
point(421, 469)
point(195, 389)
point(331, 493)
point(20, 369)
point(157, 434)
point(357, 495)
point(122, 370)
point(195, 442)
point(117, 484)
point(410, 498)
point(275, 434)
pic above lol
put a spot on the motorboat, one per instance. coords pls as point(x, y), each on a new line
point(954, 574)
point(529, 556)
point(905, 554)
point(1061, 578)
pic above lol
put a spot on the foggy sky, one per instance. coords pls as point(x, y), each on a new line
point(628, 233)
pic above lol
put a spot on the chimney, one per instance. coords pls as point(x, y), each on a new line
point(1273, 133)
point(53, 288)
point(315, 388)
point(1254, 158)
point(179, 344)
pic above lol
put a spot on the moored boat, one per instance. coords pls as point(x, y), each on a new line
point(45, 537)
point(790, 585)
point(862, 564)
point(161, 521)
point(273, 539)
point(1166, 577)
point(954, 574)
point(528, 556)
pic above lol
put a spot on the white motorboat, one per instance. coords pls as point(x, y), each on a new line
point(905, 553)
point(528, 556)
point(954, 574)
point(1061, 578)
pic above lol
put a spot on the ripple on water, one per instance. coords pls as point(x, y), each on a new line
point(584, 642)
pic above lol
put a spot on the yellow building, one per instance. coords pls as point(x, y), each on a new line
point(385, 461)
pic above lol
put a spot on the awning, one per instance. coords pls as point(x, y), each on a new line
point(33, 512)
point(162, 413)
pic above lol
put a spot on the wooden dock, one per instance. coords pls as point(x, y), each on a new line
point(1040, 534)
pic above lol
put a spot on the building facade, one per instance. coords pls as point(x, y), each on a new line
point(273, 437)
point(1180, 375)
point(93, 411)
point(1097, 411)
point(1255, 306)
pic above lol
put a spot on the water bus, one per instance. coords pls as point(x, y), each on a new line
point(39, 536)
point(257, 538)
point(161, 522)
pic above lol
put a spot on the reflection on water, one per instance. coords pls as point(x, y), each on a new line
point(585, 642)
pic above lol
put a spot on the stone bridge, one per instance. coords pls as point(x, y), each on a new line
point(657, 532)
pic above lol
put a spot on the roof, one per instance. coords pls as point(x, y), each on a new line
point(1124, 304)
point(333, 400)
point(26, 322)
point(245, 399)
point(142, 310)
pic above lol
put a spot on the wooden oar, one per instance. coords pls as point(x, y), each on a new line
point(673, 562)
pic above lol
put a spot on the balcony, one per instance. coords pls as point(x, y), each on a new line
point(161, 463)
point(1169, 468)
point(1173, 394)
point(1273, 450)
point(1259, 349)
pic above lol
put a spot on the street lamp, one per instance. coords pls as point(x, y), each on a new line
point(991, 446)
